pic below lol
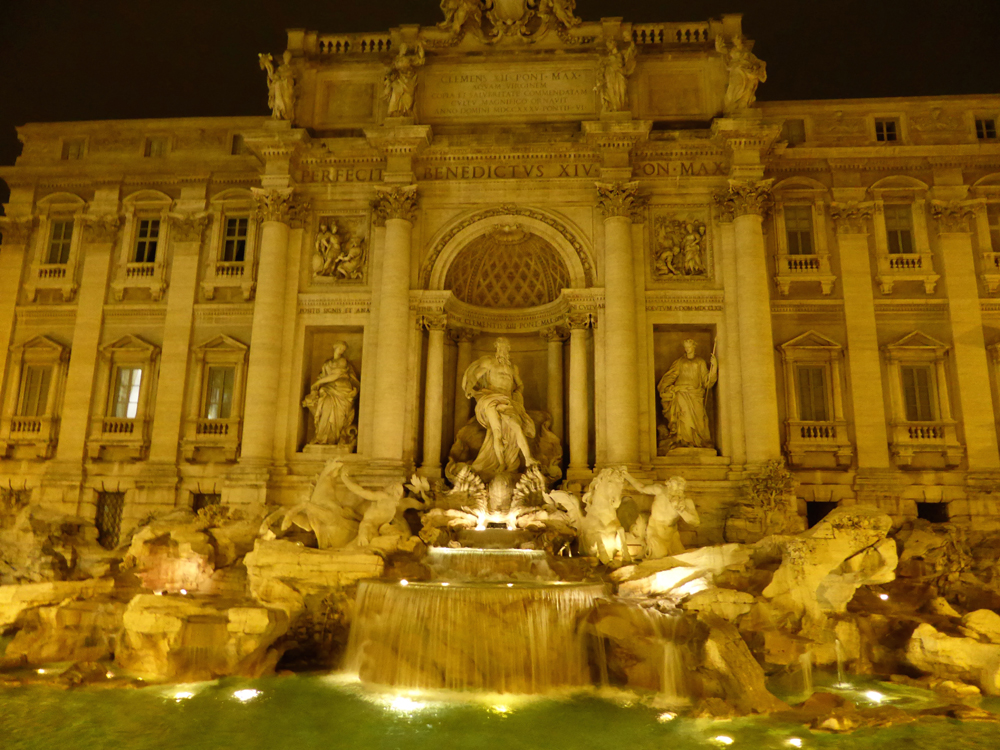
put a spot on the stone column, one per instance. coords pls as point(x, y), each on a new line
point(397, 207)
point(579, 394)
point(464, 338)
point(554, 396)
point(618, 202)
point(433, 394)
point(964, 309)
point(100, 233)
point(168, 419)
point(275, 208)
point(863, 362)
point(749, 201)
point(731, 395)
point(16, 234)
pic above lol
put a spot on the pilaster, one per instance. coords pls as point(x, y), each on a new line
point(16, 236)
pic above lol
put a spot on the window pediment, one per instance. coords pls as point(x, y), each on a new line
point(917, 343)
point(42, 347)
point(810, 341)
point(130, 345)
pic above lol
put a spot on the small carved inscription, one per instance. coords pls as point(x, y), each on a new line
point(512, 92)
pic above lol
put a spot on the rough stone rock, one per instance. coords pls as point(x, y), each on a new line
point(822, 568)
point(282, 574)
point(15, 600)
point(964, 659)
point(78, 631)
point(680, 575)
point(634, 652)
point(734, 669)
point(983, 624)
point(728, 604)
point(179, 638)
point(940, 606)
point(39, 544)
point(170, 556)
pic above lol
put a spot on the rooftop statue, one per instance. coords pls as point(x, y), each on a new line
point(331, 400)
point(612, 81)
point(683, 390)
point(746, 72)
point(280, 86)
point(495, 383)
point(458, 13)
point(401, 80)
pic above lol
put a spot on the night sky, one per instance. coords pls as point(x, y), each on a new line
point(113, 59)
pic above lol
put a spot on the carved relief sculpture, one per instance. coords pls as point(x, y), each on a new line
point(612, 79)
point(458, 13)
point(683, 392)
point(280, 86)
point(400, 83)
point(746, 72)
point(336, 258)
point(564, 12)
point(331, 400)
point(680, 248)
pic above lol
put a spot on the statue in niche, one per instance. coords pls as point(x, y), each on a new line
point(612, 78)
point(670, 506)
point(681, 248)
point(683, 391)
point(401, 81)
point(280, 86)
point(495, 383)
point(563, 10)
point(459, 12)
point(337, 259)
point(331, 400)
point(746, 72)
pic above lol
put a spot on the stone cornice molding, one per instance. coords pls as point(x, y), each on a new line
point(277, 204)
point(748, 197)
point(953, 216)
point(852, 218)
point(16, 230)
point(620, 199)
point(188, 227)
point(395, 202)
point(101, 228)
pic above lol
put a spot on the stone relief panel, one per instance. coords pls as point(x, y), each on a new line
point(680, 250)
point(340, 250)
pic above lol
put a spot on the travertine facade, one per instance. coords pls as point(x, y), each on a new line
point(174, 292)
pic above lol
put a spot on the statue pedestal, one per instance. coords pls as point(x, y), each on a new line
point(691, 455)
point(314, 450)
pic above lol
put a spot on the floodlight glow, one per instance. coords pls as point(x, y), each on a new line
point(500, 709)
point(445, 584)
point(402, 704)
point(246, 695)
point(183, 695)
point(795, 742)
point(41, 671)
point(884, 597)
point(184, 592)
point(723, 739)
point(404, 582)
point(874, 696)
point(665, 717)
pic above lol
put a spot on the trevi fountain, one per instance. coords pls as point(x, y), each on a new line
point(577, 560)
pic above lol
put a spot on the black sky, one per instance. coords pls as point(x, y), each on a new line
point(111, 59)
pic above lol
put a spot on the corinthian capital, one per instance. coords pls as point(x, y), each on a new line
point(16, 231)
point(747, 197)
point(851, 218)
point(952, 216)
point(189, 228)
point(619, 199)
point(397, 202)
point(276, 205)
point(433, 322)
point(99, 228)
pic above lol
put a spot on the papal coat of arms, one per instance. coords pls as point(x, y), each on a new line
point(493, 19)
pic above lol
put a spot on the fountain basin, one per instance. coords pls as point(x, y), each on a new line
point(515, 637)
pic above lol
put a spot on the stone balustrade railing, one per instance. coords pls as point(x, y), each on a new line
point(353, 44)
point(671, 33)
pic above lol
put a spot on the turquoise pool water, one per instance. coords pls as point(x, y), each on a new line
point(322, 712)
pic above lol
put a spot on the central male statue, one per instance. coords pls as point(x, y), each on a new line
point(496, 385)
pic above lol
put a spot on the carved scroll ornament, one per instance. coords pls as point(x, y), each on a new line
point(101, 228)
point(952, 216)
point(851, 218)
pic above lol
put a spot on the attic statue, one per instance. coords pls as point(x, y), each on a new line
point(746, 73)
point(401, 81)
point(280, 86)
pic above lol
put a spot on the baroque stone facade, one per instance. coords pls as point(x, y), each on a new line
point(173, 292)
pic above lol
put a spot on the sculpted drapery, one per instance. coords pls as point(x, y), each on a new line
point(683, 390)
point(331, 399)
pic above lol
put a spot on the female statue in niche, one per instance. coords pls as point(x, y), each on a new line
point(331, 400)
point(746, 73)
point(615, 69)
point(683, 391)
point(401, 80)
point(280, 86)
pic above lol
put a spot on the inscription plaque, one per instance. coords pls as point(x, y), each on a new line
point(516, 91)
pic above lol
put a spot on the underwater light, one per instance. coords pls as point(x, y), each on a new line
point(404, 582)
point(500, 709)
point(109, 675)
point(723, 739)
point(41, 671)
point(445, 583)
point(795, 741)
point(510, 585)
point(884, 597)
point(184, 592)
point(184, 695)
point(246, 695)
point(665, 717)
point(874, 696)
point(402, 704)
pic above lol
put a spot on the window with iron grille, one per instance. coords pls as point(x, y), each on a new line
point(899, 228)
point(812, 394)
point(59, 242)
point(110, 506)
point(986, 129)
point(234, 245)
point(799, 229)
point(886, 130)
point(918, 383)
point(35, 381)
point(206, 500)
point(146, 238)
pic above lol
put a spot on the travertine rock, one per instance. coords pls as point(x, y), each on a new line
point(964, 659)
point(15, 600)
point(78, 631)
point(40, 544)
point(728, 604)
point(983, 625)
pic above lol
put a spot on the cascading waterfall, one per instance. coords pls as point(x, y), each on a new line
point(465, 564)
point(673, 685)
point(509, 637)
point(806, 663)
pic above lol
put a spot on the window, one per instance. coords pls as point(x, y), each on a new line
point(205, 500)
point(234, 244)
point(146, 237)
point(110, 506)
point(156, 146)
point(125, 397)
point(812, 394)
point(794, 132)
point(799, 226)
point(986, 129)
point(73, 149)
point(899, 228)
point(59, 242)
point(817, 510)
point(35, 381)
point(886, 130)
point(238, 147)
point(993, 218)
point(917, 394)
point(933, 512)
point(219, 397)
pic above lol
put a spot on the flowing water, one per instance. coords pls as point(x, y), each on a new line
point(512, 637)
point(464, 564)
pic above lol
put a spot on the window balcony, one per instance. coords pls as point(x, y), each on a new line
point(893, 267)
point(991, 271)
point(151, 276)
point(126, 437)
point(38, 433)
point(217, 435)
point(938, 438)
point(795, 268)
point(223, 274)
point(816, 440)
point(58, 276)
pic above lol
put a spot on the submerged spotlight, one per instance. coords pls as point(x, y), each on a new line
point(884, 597)
point(246, 695)
point(402, 704)
point(404, 582)
point(874, 696)
point(184, 695)
point(795, 741)
point(665, 717)
point(723, 739)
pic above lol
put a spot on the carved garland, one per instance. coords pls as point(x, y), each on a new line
point(99, 229)
point(952, 216)
point(16, 231)
point(189, 228)
point(506, 210)
point(746, 198)
point(851, 218)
